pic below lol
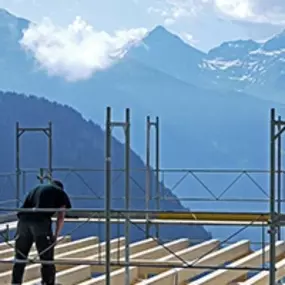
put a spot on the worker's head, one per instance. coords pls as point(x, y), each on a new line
point(57, 183)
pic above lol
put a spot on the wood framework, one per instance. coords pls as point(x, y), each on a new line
point(208, 253)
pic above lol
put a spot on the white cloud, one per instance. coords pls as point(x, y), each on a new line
point(77, 51)
point(172, 10)
point(256, 11)
point(188, 38)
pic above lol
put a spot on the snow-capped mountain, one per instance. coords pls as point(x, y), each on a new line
point(249, 66)
point(242, 65)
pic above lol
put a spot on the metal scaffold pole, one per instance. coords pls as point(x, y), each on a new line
point(279, 174)
point(109, 126)
point(275, 217)
point(157, 184)
point(108, 176)
point(148, 176)
point(127, 194)
point(272, 199)
point(19, 132)
point(148, 188)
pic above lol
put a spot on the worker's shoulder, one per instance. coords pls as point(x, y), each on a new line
point(46, 188)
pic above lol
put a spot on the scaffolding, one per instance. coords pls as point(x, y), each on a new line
point(178, 260)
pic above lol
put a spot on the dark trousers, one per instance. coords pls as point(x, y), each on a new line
point(39, 232)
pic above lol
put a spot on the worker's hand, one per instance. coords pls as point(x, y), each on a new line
point(54, 239)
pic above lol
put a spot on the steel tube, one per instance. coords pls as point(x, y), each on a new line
point(137, 263)
point(272, 200)
point(157, 158)
point(108, 177)
point(148, 181)
point(127, 194)
point(18, 171)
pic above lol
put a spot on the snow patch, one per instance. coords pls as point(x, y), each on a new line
point(221, 64)
point(268, 53)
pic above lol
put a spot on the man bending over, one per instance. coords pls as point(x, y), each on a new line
point(37, 227)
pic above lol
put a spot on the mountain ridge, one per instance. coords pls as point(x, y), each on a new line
point(77, 144)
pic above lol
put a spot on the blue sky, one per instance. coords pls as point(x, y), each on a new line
point(76, 38)
point(204, 23)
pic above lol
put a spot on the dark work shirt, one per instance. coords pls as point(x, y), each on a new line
point(44, 196)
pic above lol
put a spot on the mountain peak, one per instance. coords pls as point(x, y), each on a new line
point(159, 30)
point(162, 38)
point(5, 15)
point(275, 43)
point(11, 25)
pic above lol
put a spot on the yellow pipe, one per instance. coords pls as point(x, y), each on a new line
point(200, 216)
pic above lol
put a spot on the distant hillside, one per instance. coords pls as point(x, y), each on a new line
point(76, 144)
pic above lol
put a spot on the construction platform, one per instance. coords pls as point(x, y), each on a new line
point(175, 262)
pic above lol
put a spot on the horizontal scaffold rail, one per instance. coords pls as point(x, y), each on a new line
point(153, 214)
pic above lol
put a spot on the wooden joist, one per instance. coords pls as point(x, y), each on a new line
point(33, 271)
point(164, 263)
point(71, 276)
point(180, 275)
point(262, 278)
point(118, 276)
point(137, 273)
point(224, 276)
point(61, 247)
point(8, 250)
point(65, 277)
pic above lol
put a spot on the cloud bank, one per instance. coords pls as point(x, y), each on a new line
point(258, 11)
point(255, 11)
point(78, 51)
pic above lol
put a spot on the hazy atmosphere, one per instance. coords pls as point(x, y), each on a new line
point(195, 176)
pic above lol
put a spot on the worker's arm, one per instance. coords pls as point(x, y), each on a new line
point(59, 223)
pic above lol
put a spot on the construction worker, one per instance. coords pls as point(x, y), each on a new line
point(37, 227)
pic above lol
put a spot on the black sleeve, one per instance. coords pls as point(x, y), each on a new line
point(63, 200)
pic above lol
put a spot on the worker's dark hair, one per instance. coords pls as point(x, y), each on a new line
point(57, 183)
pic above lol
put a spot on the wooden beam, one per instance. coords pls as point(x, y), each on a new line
point(262, 278)
point(152, 253)
point(187, 254)
point(95, 252)
point(33, 271)
point(72, 276)
point(5, 246)
point(63, 246)
point(8, 251)
point(120, 253)
point(136, 272)
point(180, 275)
point(117, 277)
point(9, 225)
point(224, 276)
point(134, 248)
point(162, 250)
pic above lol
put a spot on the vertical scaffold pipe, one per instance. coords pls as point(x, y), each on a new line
point(18, 171)
point(157, 158)
point(50, 150)
point(127, 194)
point(147, 175)
point(279, 174)
point(272, 199)
point(108, 177)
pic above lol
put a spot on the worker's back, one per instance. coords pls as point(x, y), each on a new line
point(44, 196)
